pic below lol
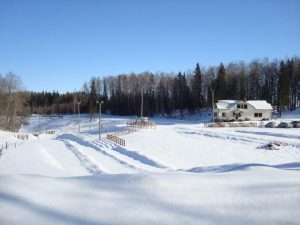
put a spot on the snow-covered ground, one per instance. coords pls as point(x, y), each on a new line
point(178, 173)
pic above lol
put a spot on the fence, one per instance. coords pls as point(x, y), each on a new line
point(124, 132)
point(22, 136)
point(132, 126)
point(8, 145)
point(222, 124)
point(115, 139)
point(141, 124)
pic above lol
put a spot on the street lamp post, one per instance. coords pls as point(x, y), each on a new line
point(100, 103)
point(78, 105)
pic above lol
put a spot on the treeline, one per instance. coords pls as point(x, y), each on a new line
point(278, 82)
point(52, 102)
point(13, 102)
point(148, 93)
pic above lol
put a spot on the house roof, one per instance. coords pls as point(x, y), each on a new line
point(226, 104)
point(260, 104)
point(257, 104)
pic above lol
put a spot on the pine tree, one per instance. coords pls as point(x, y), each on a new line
point(181, 93)
point(220, 86)
point(105, 96)
point(197, 98)
point(283, 87)
point(92, 97)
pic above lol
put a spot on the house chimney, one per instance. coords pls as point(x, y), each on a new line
point(245, 99)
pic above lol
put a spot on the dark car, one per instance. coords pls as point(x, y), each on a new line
point(296, 124)
point(270, 125)
point(285, 125)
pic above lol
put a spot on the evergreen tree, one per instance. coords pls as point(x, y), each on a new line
point(92, 97)
point(255, 80)
point(196, 92)
point(291, 83)
point(220, 86)
point(181, 93)
point(283, 87)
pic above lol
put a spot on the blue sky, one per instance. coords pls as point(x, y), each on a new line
point(59, 44)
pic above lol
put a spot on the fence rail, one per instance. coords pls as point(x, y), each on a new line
point(115, 139)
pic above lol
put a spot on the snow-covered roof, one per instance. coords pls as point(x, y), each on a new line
point(260, 104)
point(226, 104)
point(257, 104)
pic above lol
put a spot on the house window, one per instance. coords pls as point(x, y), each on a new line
point(257, 114)
point(233, 113)
point(242, 106)
point(215, 114)
point(223, 114)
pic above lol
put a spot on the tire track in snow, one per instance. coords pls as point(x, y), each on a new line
point(232, 137)
point(130, 159)
point(99, 149)
point(223, 136)
point(131, 154)
point(84, 159)
point(269, 134)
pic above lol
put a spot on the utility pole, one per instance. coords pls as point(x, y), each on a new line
point(142, 103)
point(78, 105)
point(213, 104)
point(100, 103)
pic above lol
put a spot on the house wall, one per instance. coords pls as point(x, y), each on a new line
point(266, 114)
point(249, 113)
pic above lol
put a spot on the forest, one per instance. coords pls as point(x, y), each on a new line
point(162, 93)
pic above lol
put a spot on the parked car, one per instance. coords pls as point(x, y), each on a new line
point(285, 125)
point(270, 125)
point(296, 124)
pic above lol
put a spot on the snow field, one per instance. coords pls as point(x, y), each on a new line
point(178, 173)
point(254, 196)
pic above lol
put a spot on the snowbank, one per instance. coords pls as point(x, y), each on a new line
point(255, 196)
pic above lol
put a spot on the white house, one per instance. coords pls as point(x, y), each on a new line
point(226, 110)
